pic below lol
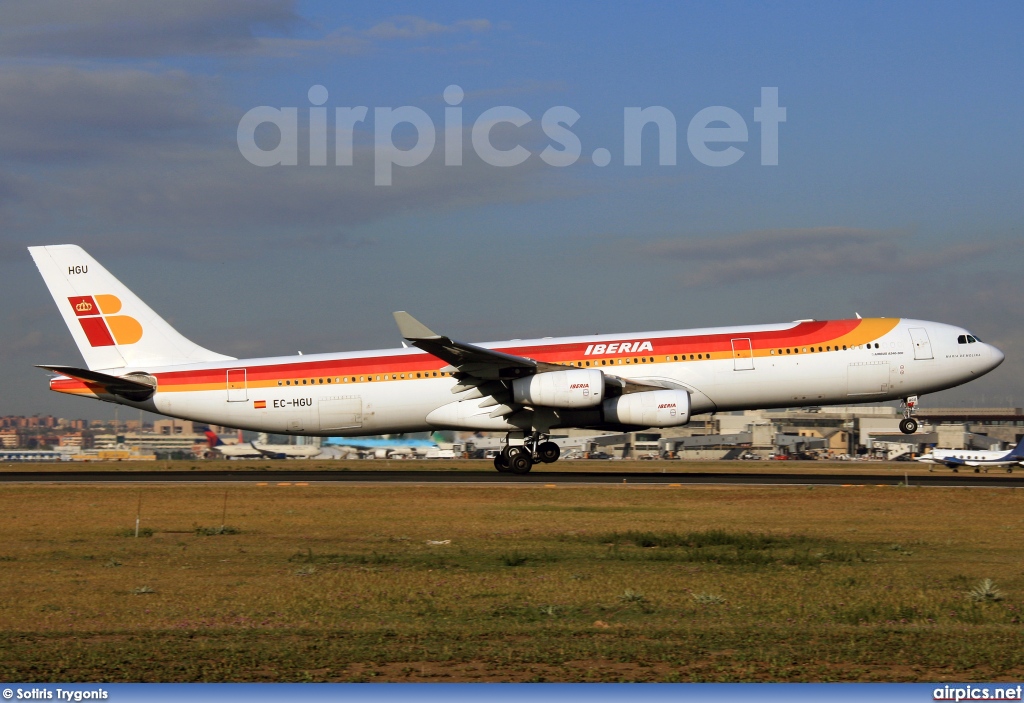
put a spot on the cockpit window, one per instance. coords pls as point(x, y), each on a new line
point(976, 338)
point(962, 339)
point(971, 339)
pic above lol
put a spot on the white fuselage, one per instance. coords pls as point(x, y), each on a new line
point(408, 390)
point(255, 450)
point(970, 457)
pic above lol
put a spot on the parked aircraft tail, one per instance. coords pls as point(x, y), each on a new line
point(112, 327)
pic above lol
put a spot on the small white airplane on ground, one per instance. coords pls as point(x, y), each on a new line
point(525, 388)
point(259, 450)
point(382, 448)
point(978, 460)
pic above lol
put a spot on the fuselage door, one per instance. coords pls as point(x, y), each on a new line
point(340, 413)
point(868, 377)
point(237, 390)
point(922, 345)
point(742, 355)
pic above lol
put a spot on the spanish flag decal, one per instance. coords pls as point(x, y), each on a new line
point(259, 404)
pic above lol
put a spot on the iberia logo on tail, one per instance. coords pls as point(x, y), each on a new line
point(101, 323)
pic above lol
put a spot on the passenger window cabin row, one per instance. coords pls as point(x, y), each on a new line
point(962, 339)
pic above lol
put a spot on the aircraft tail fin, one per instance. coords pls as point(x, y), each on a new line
point(1018, 451)
point(212, 439)
point(112, 327)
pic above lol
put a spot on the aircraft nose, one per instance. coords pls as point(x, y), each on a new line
point(995, 356)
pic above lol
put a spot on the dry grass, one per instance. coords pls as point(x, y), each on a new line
point(896, 469)
point(336, 582)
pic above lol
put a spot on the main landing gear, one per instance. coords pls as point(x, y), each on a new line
point(908, 425)
point(520, 458)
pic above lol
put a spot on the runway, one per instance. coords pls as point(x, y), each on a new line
point(495, 478)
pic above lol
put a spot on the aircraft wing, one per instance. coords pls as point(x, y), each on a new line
point(468, 359)
point(248, 451)
point(488, 364)
point(237, 451)
point(279, 451)
point(486, 373)
point(951, 462)
point(266, 453)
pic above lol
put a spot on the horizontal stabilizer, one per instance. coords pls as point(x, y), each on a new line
point(138, 388)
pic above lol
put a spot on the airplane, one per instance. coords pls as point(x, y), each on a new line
point(525, 388)
point(385, 448)
point(258, 450)
point(956, 458)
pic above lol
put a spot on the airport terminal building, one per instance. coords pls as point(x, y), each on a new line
point(835, 432)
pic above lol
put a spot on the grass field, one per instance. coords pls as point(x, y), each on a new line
point(911, 468)
point(507, 583)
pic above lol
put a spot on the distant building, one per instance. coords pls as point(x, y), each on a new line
point(173, 427)
point(10, 438)
point(827, 431)
point(185, 443)
point(73, 439)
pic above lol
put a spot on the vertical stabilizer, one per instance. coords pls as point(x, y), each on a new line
point(112, 327)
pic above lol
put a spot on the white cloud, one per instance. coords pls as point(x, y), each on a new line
point(140, 28)
point(137, 29)
point(786, 253)
point(411, 27)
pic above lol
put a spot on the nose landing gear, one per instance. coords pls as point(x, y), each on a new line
point(908, 425)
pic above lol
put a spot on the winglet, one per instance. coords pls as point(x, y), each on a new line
point(411, 328)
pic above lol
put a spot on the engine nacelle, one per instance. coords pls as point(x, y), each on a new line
point(575, 388)
point(666, 408)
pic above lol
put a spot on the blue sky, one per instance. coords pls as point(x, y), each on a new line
point(897, 191)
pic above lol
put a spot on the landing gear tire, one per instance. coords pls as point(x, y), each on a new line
point(548, 452)
point(501, 463)
point(519, 461)
point(908, 425)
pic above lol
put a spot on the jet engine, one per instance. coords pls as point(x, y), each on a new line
point(576, 388)
point(668, 408)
